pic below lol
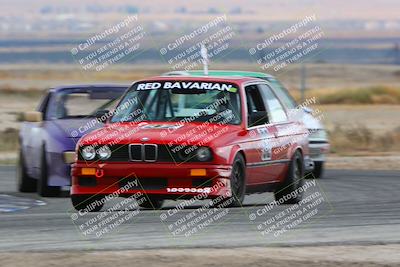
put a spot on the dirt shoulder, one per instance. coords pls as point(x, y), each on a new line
point(375, 255)
point(375, 162)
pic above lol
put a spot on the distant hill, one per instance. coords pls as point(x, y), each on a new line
point(259, 9)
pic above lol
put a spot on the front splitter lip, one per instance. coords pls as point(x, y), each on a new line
point(162, 194)
point(220, 187)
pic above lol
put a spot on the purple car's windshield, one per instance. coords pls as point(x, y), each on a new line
point(70, 104)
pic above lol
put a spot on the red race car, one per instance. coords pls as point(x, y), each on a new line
point(185, 137)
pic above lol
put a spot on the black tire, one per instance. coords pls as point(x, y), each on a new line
point(318, 171)
point(87, 203)
point(150, 202)
point(43, 188)
point(294, 180)
point(238, 183)
point(25, 183)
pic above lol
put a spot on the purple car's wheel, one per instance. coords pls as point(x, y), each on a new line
point(24, 182)
point(43, 188)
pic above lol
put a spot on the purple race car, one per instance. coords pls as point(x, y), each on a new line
point(49, 134)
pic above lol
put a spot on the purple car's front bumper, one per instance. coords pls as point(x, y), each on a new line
point(59, 172)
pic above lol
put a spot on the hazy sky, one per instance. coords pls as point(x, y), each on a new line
point(265, 9)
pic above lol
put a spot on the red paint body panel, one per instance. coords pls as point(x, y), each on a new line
point(225, 141)
point(177, 176)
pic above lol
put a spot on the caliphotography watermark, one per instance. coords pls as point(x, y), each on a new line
point(93, 123)
point(278, 139)
point(186, 144)
point(288, 46)
point(113, 45)
point(120, 211)
point(275, 219)
point(209, 206)
point(184, 53)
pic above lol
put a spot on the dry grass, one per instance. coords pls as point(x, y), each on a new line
point(322, 77)
point(118, 74)
point(31, 93)
point(376, 95)
point(359, 139)
point(333, 85)
point(9, 139)
point(355, 140)
point(370, 95)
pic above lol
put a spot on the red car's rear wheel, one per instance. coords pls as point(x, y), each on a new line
point(294, 180)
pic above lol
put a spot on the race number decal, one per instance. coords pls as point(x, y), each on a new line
point(266, 151)
point(188, 190)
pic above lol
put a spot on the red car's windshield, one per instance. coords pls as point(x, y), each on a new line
point(181, 101)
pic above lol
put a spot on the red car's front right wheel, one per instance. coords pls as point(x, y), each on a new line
point(88, 203)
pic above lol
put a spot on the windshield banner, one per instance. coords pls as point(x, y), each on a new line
point(186, 85)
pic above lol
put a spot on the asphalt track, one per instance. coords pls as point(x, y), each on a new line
point(358, 207)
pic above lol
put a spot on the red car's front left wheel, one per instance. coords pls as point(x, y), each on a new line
point(237, 182)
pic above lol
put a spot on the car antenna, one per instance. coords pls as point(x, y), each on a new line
point(204, 55)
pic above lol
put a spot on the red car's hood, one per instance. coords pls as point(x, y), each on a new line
point(160, 133)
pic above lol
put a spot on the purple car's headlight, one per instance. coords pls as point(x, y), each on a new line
point(104, 152)
point(88, 153)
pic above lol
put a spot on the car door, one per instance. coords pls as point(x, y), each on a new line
point(262, 139)
point(285, 130)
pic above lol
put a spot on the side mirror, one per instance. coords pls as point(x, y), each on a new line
point(102, 115)
point(258, 118)
point(33, 116)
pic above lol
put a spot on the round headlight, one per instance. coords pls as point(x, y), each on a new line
point(203, 154)
point(104, 152)
point(88, 153)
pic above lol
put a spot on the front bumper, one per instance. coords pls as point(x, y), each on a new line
point(58, 170)
point(166, 180)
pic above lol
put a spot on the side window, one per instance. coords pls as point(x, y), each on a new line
point(257, 113)
point(283, 94)
point(276, 110)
